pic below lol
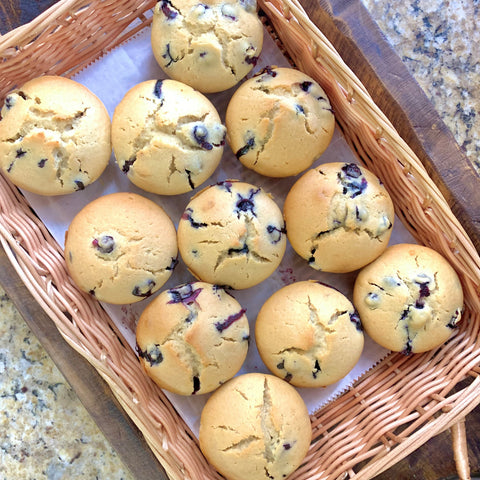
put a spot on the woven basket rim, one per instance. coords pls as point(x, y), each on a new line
point(38, 259)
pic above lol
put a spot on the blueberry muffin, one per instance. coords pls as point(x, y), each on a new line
point(255, 427)
point(339, 217)
point(192, 338)
point(410, 299)
point(279, 122)
point(121, 248)
point(54, 136)
point(232, 234)
point(209, 45)
point(309, 334)
point(167, 137)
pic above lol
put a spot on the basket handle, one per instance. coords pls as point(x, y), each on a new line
point(460, 450)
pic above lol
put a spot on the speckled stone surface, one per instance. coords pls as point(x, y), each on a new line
point(45, 433)
point(438, 42)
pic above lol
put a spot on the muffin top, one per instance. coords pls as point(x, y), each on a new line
point(167, 137)
point(309, 334)
point(121, 248)
point(54, 136)
point(339, 217)
point(192, 338)
point(279, 122)
point(210, 45)
point(254, 427)
point(410, 299)
point(232, 233)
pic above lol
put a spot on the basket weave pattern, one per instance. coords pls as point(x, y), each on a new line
point(393, 409)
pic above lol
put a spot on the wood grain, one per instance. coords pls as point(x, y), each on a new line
point(18, 12)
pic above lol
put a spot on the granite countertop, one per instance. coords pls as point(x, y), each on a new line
point(45, 431)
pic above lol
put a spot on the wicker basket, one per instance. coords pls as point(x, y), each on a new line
point(388, 413)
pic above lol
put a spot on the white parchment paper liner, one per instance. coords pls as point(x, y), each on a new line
point(110, 78)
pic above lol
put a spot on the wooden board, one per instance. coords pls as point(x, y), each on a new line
point(350, 28)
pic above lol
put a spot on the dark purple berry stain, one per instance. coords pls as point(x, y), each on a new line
point(281, 365)
point(357, 214)
point(405, 313)
point(173, 264)
point(352, 170)
point(104, 244)
point(41, 163)
point(354, 183)
point(168, 56)
point(276, 233)
point(226, 184)
point(239, 251)
point(246, 204)
point(453, 321)
point(288, 377)
point(305, 86)
point(251, 60)
point(202, 54)
point(246, 148)
point(227, 12)
point(200, 134)
point(196, 385)
point(312, 255)
point(168, 9)
point(419, 304)
point(222, 141)
point(408, 348)
point(79, 185)
point(355, 319)
point(187, 215)
point(9, 169)
point(144, 290)
point(92, 292)
point(316, 369)
point(246, 338)
point(9, 102)
point(189, 177)
point(153, 355)
point(128, 164)
point(268, 70)
point(287, 446)
point(20, 153)
point(185, 294)
point(224, 324)
point(424, 290)
point(157, 89)
point(299, 109)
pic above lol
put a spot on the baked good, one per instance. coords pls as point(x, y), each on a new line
point(210, 45)
point(279, 122)
point(54, 136)
point(339, 217)
point(255, 427)
point(309, 334)
point(410, 299)
point(233, 234)
point(167, 137)
point(192, 338)
point(121, 248)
